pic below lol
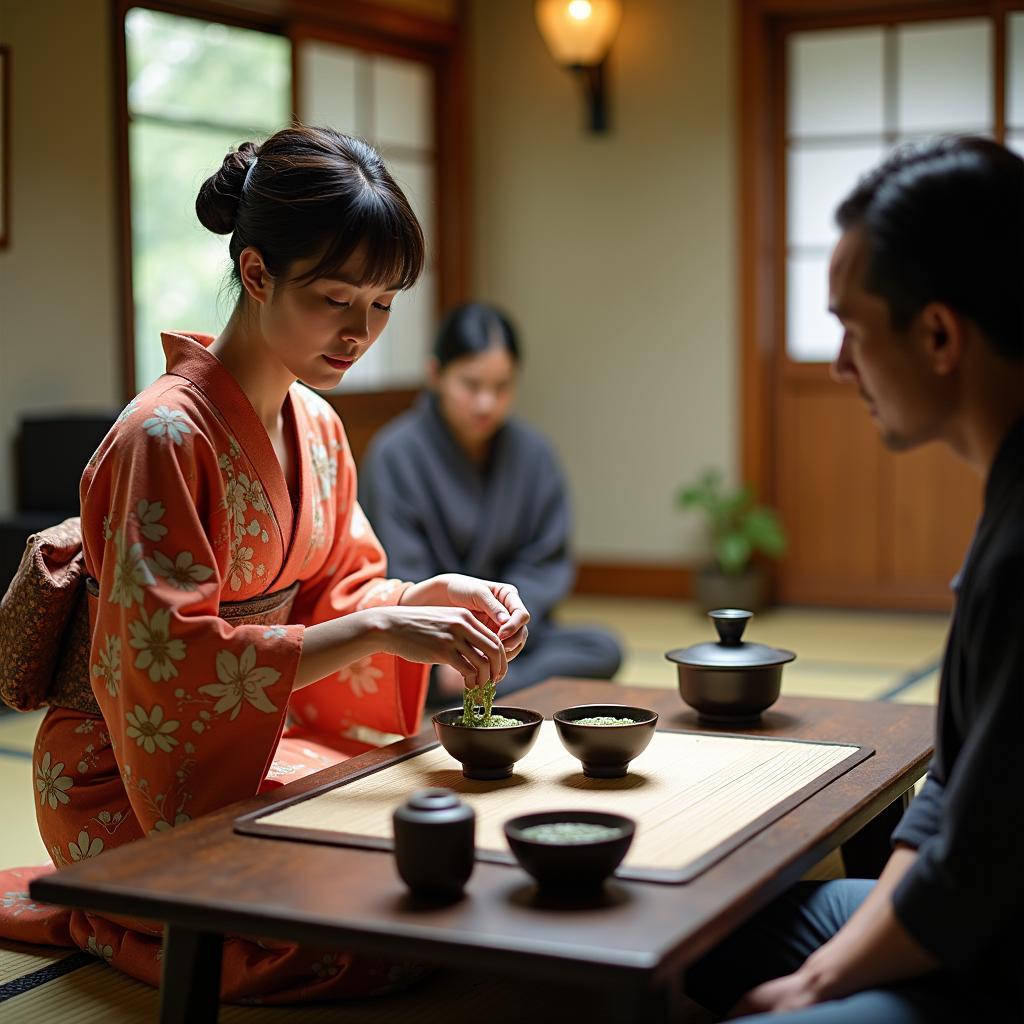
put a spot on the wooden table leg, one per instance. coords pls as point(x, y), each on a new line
point(866, 853)
point(190, 976)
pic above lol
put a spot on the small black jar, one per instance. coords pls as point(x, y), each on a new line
point(434, 843)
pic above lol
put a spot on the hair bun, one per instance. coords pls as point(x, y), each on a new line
point(221, 193)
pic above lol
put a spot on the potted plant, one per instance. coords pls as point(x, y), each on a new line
point(738, 528)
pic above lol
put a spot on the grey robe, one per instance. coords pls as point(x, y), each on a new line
point(434, 511)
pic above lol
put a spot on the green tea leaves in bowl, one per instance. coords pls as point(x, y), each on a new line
point(476, 710)
point(570, 832)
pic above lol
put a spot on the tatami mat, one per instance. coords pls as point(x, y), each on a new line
point(18, 959)
point(924, 690)
point(20, 844)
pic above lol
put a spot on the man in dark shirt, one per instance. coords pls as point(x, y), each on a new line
point(928, 282)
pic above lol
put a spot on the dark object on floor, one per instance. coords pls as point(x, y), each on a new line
point(51, 453)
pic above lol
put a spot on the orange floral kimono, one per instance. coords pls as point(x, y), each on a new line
point(185, 506)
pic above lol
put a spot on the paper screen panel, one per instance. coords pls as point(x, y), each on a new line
point(836, 82)
point(1015, 70)
point(945, 76)
point(332, 80)
point(689, 793)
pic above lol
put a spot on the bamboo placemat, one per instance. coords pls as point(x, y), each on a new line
point(695, 797)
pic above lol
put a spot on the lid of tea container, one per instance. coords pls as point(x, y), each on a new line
point(435, 798)
point(434, 806)
point(731, 651)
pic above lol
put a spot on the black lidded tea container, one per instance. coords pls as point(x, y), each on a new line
point(732, 681)
point(434, 843)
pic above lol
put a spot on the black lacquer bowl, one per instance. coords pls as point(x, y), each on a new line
point(570, 865)
point(605, 750)
point(488, 753)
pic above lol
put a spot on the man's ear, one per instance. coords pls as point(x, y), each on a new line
point(433, 372)
point(253, 272)
point(944, 337)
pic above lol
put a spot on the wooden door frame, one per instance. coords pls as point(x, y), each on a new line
point(761, 181)
point(368, 25)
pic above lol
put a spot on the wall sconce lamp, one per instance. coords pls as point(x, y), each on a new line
point(579, 34)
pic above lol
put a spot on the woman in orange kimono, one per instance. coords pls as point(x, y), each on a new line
point(224, 480)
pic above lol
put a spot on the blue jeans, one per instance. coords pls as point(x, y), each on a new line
point(784, 934)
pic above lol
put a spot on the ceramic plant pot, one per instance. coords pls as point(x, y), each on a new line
point(714, 589)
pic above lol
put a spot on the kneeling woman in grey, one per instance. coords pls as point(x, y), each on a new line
point(455, 485)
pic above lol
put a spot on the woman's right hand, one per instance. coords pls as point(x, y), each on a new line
point(443, 636)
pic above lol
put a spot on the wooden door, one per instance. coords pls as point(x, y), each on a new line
point(868, 528)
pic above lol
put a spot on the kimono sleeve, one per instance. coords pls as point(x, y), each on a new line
point(194, 707)
point(380, 692)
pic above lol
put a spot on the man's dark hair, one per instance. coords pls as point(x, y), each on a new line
point(945, 223)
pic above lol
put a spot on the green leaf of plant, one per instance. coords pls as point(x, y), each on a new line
point(738, 525)
point(704, 493)
point(764, 532)
point(732, 552)
point(689, 496)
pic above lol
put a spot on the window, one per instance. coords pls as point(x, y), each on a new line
point(1015, 82)
point(195, 89)
point(855, 93)
point(389, 101)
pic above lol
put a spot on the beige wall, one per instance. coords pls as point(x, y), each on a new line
point(617, 256)
point(59, 334)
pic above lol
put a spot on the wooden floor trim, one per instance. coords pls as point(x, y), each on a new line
point(628, 579)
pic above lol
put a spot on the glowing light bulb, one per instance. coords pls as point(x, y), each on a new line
point(577, 32)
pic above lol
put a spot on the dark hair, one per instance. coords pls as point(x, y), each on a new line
point(471, 329)
point(945, 223)
point(308, 192)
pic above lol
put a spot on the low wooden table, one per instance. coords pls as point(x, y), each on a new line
point(634, 941)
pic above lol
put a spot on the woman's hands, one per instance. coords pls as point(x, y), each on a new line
point(496, 605)
point(472, 627)
point(453, 637)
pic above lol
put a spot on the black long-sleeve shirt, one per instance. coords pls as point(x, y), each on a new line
point(962, 900)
